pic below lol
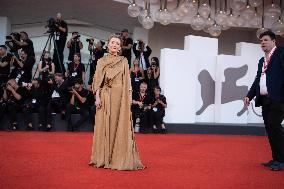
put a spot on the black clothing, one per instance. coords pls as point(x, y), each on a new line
point(146, 54)
point(77, 103)
point(60, 41)
point(5, 71)
point(14, 105)
point(151, 82)
point(127, 52)
point(75, 72)
point(29, 49)
point(158, 112)
point(135, 81)
point(73, 110)
point(97, 54)
point(78, 107)
point(34, 103)
point(74, 48)
point(273, 103)
point(140, 112)
point(23, 74)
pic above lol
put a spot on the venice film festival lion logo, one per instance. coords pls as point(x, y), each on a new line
point(230, 91)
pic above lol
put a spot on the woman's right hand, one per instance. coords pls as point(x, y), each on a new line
point(98, 103)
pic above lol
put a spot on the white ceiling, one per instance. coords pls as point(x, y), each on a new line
point(101, 13)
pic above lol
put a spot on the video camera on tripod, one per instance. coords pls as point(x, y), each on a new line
point(52, 25)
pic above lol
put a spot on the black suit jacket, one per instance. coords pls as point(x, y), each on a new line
point(274, 78)
point(146, 54)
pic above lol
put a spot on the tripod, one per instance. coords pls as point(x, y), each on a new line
point(51, 38)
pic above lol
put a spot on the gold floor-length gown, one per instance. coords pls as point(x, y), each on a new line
point(114, 144)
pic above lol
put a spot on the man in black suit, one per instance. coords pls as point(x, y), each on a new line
point(268, 88)
point(142, 52)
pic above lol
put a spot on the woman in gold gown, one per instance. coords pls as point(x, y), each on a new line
point(114, 145)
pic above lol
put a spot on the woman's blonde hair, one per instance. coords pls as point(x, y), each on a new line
point(118, 36)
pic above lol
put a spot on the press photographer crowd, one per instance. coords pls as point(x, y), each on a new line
point(58, 87)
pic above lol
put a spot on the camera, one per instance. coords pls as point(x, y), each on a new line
point(51, 25)
point(10, 43)
point(90, 40)
point(77, 37)
point(26, 84)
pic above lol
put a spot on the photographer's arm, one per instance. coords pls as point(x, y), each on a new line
point(72, 100)
point(80, 44)
point(62, 29)
point(157, 73)
point(18, 61)
point(83, 76)
point(82, 99)
point(3, 64)
point(52, 69)
point(5, 96)
point(69, 43)
point(20, 43)
point(16, 95)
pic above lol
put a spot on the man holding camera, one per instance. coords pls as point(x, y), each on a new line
point(60, 41)
point(5, 60)
point(141, 106)
point(159, 103)
point(25, 43)
point(142, 52)
point(74, 45)
point(34, 103)
point(78, 104)
point(14, 97)
point(58, 100)
point(127, 44)
point(96, 52)
point(22, 71)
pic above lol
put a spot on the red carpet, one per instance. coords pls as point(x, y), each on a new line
point(59, 160)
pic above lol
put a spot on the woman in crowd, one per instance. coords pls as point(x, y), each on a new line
point(114, 145)
point(76, 70)
point(153, 74)
point(137, 75)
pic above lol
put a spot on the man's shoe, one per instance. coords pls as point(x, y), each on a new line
point(277, 166)
point(268, 164)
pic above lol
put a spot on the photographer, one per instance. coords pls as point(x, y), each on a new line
point(46, 70)
point(12, 46)
point(159, 103)
point(14, 95)
point(127, 44)
point(74, 45)
point(5, 60)
point(34, 103)
point(153, 74)
point(136, 75)
point(78, 104)
point(25, 43)
point(22, 71)
point(142, 52)
point(59, 95)
point(60, 29)
point(75, 70)
point(141, 106)
point(97, 52)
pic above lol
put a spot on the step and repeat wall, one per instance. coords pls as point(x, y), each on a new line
point(202, 86)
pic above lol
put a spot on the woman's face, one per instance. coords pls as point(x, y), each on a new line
point(136, 63)
point(46, 56)
point(76, 58)
point(114, 45)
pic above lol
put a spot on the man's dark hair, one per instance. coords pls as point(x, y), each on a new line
point(157, 87)
point(25, 33)
point(268, 33)
point(58, 75)
point(78, 54)
point(78, 81)
point(3, 46)
point(25, 51)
